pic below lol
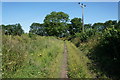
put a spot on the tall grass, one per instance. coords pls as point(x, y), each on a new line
point(77, 63)
point(37, 57)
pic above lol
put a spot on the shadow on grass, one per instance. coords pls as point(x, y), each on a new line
point(105, 58)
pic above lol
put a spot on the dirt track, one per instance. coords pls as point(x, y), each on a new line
point(64, 63)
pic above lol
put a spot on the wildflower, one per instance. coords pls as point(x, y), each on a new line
point(40, 55)
point(10, 63)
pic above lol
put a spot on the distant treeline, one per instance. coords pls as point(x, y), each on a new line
point(58, 24)
point(15, 29)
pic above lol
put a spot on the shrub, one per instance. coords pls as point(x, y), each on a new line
point(106, 54)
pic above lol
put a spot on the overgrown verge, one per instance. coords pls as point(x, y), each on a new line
point(37, 57)
point(86, 48)
point(102, 50)
point(77, 63)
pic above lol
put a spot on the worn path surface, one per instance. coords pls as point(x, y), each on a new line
point(64, 63)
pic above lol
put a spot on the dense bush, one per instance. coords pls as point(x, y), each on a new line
point(106, 54)
point(82, 37)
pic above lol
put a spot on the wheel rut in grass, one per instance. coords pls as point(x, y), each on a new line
point(64, 63)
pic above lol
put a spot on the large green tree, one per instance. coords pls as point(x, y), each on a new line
point(37, 28)
point(110, 24)
point(98, 26)
point(56, 24)
point(76, 26)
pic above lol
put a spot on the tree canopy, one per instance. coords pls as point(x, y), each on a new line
point(15, 29)
point(76, 26)
point(37, 28)
point(55, 23)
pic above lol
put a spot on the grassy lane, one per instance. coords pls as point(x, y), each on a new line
point(64, 63)
point(43, 57)
point(77, 63)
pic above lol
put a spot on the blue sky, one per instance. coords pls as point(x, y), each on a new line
point(26, 13)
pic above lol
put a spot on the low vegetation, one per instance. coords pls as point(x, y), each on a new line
point(24, 57)
point(77, 63)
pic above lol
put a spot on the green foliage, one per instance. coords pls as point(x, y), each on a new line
point(92, 30)
point(110, 24)
point(12, 29)
point(56, 24)
point(86, 49)
point(75, 26)
point(82, 37)
point(102, 47)
point(88, 26)
point(38, 29)
point(85, 36)
point(98, 26)
point(105, 55)
point(111, 32)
